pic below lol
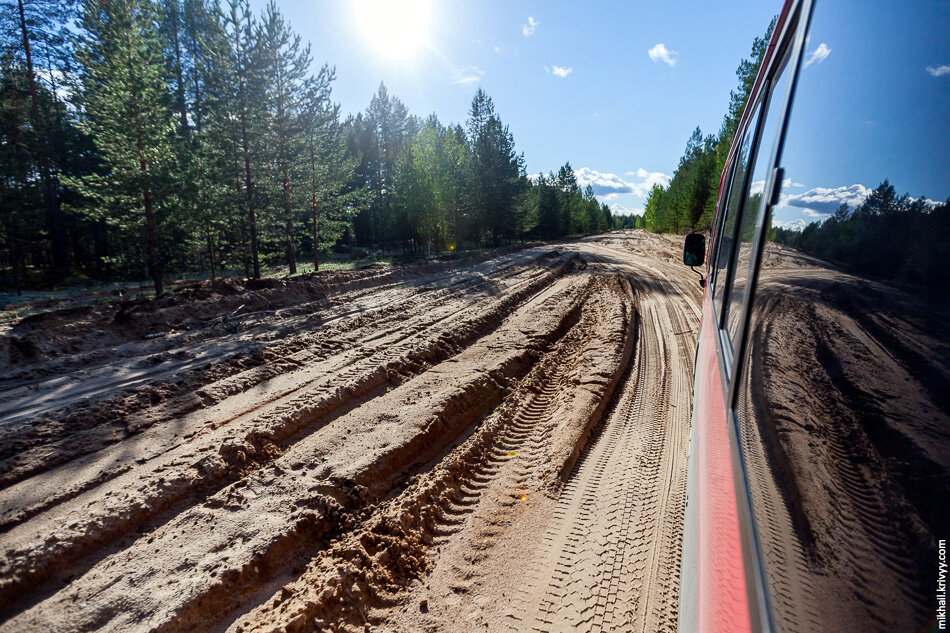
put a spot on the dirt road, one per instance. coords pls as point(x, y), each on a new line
point(497, 444)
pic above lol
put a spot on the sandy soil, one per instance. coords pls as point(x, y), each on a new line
point(497, 444)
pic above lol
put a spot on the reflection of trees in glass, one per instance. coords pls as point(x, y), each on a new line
point(889, 236)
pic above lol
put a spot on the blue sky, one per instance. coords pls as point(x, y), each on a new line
point(577, 81)
point(617, 112)
point(873, 102)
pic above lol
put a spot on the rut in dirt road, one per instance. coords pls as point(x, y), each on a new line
point(611, 554)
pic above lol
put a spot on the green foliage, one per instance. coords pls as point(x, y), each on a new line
point(889, 237)
point(689, 202)
point(156, 137)
point(128, 116)
point(561, 209)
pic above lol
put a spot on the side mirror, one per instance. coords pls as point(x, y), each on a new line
point(694, 250)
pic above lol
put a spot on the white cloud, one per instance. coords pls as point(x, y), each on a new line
point(788, 183)
point(648, 179)
point(468, 75)
point(660, 53)
point(619, 209)
point(818, 55)
point(609, 186)
point(529, 28)
point(793, 225)
point(823, 201)
point(930, 204)
point(561, 71)
point(939, 71)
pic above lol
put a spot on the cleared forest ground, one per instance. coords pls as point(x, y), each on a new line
point(496, 443)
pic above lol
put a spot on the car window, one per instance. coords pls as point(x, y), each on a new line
point(717, 233)
point(843, 403)
point(752, 209)
point(733, 205)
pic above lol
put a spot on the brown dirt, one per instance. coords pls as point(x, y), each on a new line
point(497, 443)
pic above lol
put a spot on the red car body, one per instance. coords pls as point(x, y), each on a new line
point(731, 579)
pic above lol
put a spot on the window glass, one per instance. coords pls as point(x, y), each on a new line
point(751, 214)
point(716, 265)
point(730, 221)
point(844, 401)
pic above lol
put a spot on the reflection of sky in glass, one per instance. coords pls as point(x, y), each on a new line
point(873, 102)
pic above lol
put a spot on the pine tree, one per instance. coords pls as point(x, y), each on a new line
point(391, 128)
point(568, 190)
point(498, 172)
point(334, 195)
point(207, 165)
point(128, 117)
point(285, 63)
point(242, 32)
point(16, 188)
point(35, 35)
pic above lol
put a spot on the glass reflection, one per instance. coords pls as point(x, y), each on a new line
point(752, 208)
point(731, 219)
point(844, 404)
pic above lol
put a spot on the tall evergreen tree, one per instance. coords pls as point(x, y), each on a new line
point(242, 32)
point(129, 119)
point(334, 195)
point(391, 128)
point(35, 39)
point(285, 64)
point(568, 190)
point(498, 171)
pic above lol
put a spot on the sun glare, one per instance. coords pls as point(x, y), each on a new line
point(396, 28)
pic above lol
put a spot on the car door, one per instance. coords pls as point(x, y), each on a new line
point(821, 457)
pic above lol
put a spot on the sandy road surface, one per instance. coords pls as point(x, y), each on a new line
point(497, 443)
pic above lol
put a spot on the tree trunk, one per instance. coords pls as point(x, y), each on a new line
point(316, 235)
point(210, 243)
point(248, 186)
point(54, 214)
point(288, 213)
point(14, 254)
point(183, 113)
point(153, 262)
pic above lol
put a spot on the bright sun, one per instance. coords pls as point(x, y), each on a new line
point(397, 28)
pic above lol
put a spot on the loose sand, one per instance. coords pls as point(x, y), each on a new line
point(494, 444)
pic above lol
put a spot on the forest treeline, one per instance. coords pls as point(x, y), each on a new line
point(890, 237)
point(154, 137)
point(689, 201)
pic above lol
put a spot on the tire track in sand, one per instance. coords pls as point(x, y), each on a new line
point(611, 555)
point(196, 470)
